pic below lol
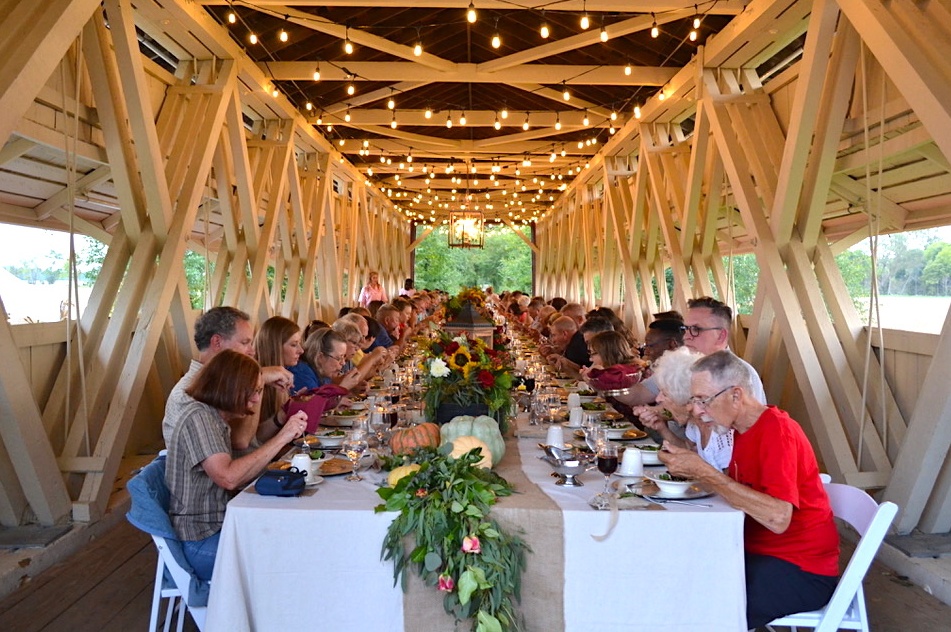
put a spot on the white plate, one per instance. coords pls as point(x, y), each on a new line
point(317, 481)
point(692, 493)
point(672, 489)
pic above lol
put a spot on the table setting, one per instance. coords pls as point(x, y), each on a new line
point(590, 503)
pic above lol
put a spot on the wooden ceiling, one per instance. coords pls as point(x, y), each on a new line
point(459, 73)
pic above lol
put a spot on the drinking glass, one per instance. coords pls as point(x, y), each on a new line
point(354, 446)
point(592, 430)
point(379, 423)
point(607, 462)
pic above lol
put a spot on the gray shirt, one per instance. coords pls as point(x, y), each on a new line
point(177, 400)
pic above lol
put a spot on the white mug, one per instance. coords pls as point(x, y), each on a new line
point(556, 436)
point(575, 416)
point(574, 400)
point(631, 463)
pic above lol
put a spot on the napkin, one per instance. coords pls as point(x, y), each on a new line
point(615, 377)
point(614, 503)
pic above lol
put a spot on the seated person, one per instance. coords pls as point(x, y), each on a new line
point(200, 471)
point(673, 419)
point(790, 540)
point(278, 342)
point(662, 335)
point(369, 363)
point(324, 357)
point(380, 336)
point(569, 353)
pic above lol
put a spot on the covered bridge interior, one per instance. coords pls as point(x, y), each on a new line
point(790, 129)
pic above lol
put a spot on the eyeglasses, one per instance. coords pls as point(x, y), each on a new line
point(695, 330)
point(340, 360)
point(704, 402)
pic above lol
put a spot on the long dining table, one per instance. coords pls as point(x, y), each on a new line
point(313, 562)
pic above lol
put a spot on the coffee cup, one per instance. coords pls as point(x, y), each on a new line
point(556, 436)
point(575, 417)
point(631, 463)
point(303, 463)
point(574, 400)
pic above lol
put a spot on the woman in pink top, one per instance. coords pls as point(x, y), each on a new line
point(372, 291)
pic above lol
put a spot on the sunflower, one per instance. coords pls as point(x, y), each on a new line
point(460, 358)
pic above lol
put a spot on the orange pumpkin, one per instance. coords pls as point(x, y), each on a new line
point(405, 440)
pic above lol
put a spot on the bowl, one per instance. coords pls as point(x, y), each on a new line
point(568, 470)
point(649, 454)
point(331, 441)
point(668, 486)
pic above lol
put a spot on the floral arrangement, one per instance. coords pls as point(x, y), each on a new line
point(444, 531)
point(464, 371)
point(472, 295)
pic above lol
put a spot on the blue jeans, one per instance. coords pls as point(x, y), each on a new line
point(201, 555)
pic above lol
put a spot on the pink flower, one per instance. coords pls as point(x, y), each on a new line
point(446, 584)
point(470, 544)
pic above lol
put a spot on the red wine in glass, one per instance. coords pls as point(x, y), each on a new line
point(529, 384)
point(392, 418)
point(607, 465)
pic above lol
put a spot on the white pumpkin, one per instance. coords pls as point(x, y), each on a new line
point(465, 444)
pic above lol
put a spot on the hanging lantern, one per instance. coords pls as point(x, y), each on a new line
point(466, 229)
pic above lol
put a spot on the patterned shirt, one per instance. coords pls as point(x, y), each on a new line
point(177, 400)
point(197, 504)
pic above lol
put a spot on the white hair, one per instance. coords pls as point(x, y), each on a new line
point(672, 373)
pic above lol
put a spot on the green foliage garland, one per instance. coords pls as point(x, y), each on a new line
point(457, 547)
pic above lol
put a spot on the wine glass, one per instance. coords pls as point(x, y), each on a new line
point(354, 446)
point(379, 422)
point(592, 429)
point(607, 462)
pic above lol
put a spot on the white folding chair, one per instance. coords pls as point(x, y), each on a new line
point(846, 609)
point(169, 589)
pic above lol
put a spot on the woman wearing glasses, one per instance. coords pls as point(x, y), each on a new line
point(325, 353)
point(672, 372)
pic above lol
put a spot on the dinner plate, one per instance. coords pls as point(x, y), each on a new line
point(629, 435)
point(335, 467)
point(317, 481)
point(693, 493)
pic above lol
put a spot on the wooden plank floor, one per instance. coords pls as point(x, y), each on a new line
point(108, 587)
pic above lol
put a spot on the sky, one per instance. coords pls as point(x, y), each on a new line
point(19, 244)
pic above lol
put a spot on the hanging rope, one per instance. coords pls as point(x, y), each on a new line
point(70, 141)
point(874, 227)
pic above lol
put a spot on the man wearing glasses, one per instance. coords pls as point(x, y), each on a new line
point(790, 539)
point(706, 330)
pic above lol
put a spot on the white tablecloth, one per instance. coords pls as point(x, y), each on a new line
point(313, 563)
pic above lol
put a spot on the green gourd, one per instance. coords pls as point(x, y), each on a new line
point(482, 427)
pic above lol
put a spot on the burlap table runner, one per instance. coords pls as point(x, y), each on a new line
point(538, 519)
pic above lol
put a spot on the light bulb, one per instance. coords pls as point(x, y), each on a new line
point(471, 14)
point(693, 35)
point(661, 96)
point(696, 20)
point(317, 74)
point(274, 93)
point(428, 113)
point(604, 35)
point(611, 130)
point(341, 142)
point(282, 35)
point(544, 31)
point(253, 38)
point(418, 49)
point(330, 127)
point(320, 118)
point(393, 122)
point(552, 157)
point(654, 30)
point(346, 116)
point(348, 46)
point(462, 119)
point(498, 124)
point(613, 115)
point(448, 121)
point(351, 89)
point(628, 70)
point(563, 152)
point(637, 111)
point(409, 157)
point(585, 120)
point(525, 125)
point(566, 95)
point(366, 143)
point(585, 22)
point(496, 41)
point(309, 106)
point(232, 18)
point(505, 113)
point(557, 123)
point(391, 104)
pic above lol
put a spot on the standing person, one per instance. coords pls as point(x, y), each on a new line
point(790, 539)
point(200, 471)
point(409, 288)
point(218, 329)
point(372, 291)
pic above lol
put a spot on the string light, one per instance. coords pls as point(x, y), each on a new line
point(308, 106)
point(525, 125)
point(253, 38)
point(557, 121)
point(585, 120)
point(449, 119)
point(347, 44)
point(391, 103)
point(544, 31)
point(317, 72)
point(346, 117)
point(628, 70)
point(418, 49)
point(496, 39)
point(428, 113)
point(585, 21)
point(654, 30)
point(604, 33)
point(393, 122)
point(320, 118)
point(283, 34)
point(232, 16)
point(613, 115)
point(471, 15)
point(498, 124)
point(637, 111)
point(696, 17)
point(351, 89)
point(274, 92)
point(505, 112)
point(462, 118)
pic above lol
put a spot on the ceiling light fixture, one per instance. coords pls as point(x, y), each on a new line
point(346, 117)
point(471, 15)
point(462, 118)
point(418, 49)
point(498, 124)
point(505, 112)
point(253, 38)
point(586, 121)
point(428, 113)
point(628, 70)
point(565, 94)
point(557, 121)
point(393, 122)
point(544, 31)
point(347, 44)
point(308, 106)
point(604, 32)
point(449, 119)
point(496, 39)
point(585, 20)
point(232, 16)
point(317, 72)
point(654, 30)
point(525, 125)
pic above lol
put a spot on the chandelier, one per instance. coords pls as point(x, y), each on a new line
point(466, 229)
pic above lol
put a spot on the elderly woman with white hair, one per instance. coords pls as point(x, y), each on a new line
point(672, 372)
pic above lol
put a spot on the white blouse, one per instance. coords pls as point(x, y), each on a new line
point(719, 448)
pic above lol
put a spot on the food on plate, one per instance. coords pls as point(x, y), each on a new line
point(335, 466)
point(333, 433)
point(666, 476)
point(316, 455)
point(648, 448)
point(311, 440)
point(348, 412)
point(633, 434)
point(587, 392)
point(279, 465)
point(596, 406)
